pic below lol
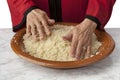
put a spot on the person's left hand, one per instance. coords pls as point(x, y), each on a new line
point(81, 38)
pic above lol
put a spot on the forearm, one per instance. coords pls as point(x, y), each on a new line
point(19, 9)
point(100, 11)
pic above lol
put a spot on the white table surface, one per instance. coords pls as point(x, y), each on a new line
point(13, 67)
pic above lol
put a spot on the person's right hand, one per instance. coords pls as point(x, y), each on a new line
point(37, 24)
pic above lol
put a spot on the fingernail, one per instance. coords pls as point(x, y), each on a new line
point(47, 33)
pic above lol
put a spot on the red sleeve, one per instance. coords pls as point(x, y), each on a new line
point(100, 11)
point(19, 10)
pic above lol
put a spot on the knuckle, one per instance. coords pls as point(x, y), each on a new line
point(43, 14)
point(36, 20)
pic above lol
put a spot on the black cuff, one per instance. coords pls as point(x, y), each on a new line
point(94, 19)
point(21, 25)
point(30, 9)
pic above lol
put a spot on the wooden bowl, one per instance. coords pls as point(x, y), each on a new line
point(106, 48)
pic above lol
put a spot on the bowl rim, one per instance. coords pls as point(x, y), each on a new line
point(60, 64)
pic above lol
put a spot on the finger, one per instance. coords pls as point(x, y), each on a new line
point(88, 52)
point(33, 31)
point(89, 45)
point(40, 31)
point(68, 36)
point(28, 32)
point(84, 50)
point(84, 47)
point(79, 50)
point(51, 21)
point(85, 40)
point(29, 20)
point(73, 46)
point(46, 27)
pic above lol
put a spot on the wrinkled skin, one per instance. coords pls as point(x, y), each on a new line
point(80, 36)
point(37, 24)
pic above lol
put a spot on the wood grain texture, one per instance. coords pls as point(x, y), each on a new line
point(107, 47)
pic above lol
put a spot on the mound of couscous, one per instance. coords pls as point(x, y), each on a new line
point(54, 47)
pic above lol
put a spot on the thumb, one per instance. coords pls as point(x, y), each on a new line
point(51, 21)
point(68, 36)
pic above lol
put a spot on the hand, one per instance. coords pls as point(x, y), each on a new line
point(37, 24)
point(81, 37)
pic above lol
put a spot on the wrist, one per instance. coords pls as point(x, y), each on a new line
point(87, 24)
point(29, 10)
point(90, 23)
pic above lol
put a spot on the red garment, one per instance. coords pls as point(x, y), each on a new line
point(72, 11)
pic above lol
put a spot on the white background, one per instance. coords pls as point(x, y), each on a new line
point(5, 19)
